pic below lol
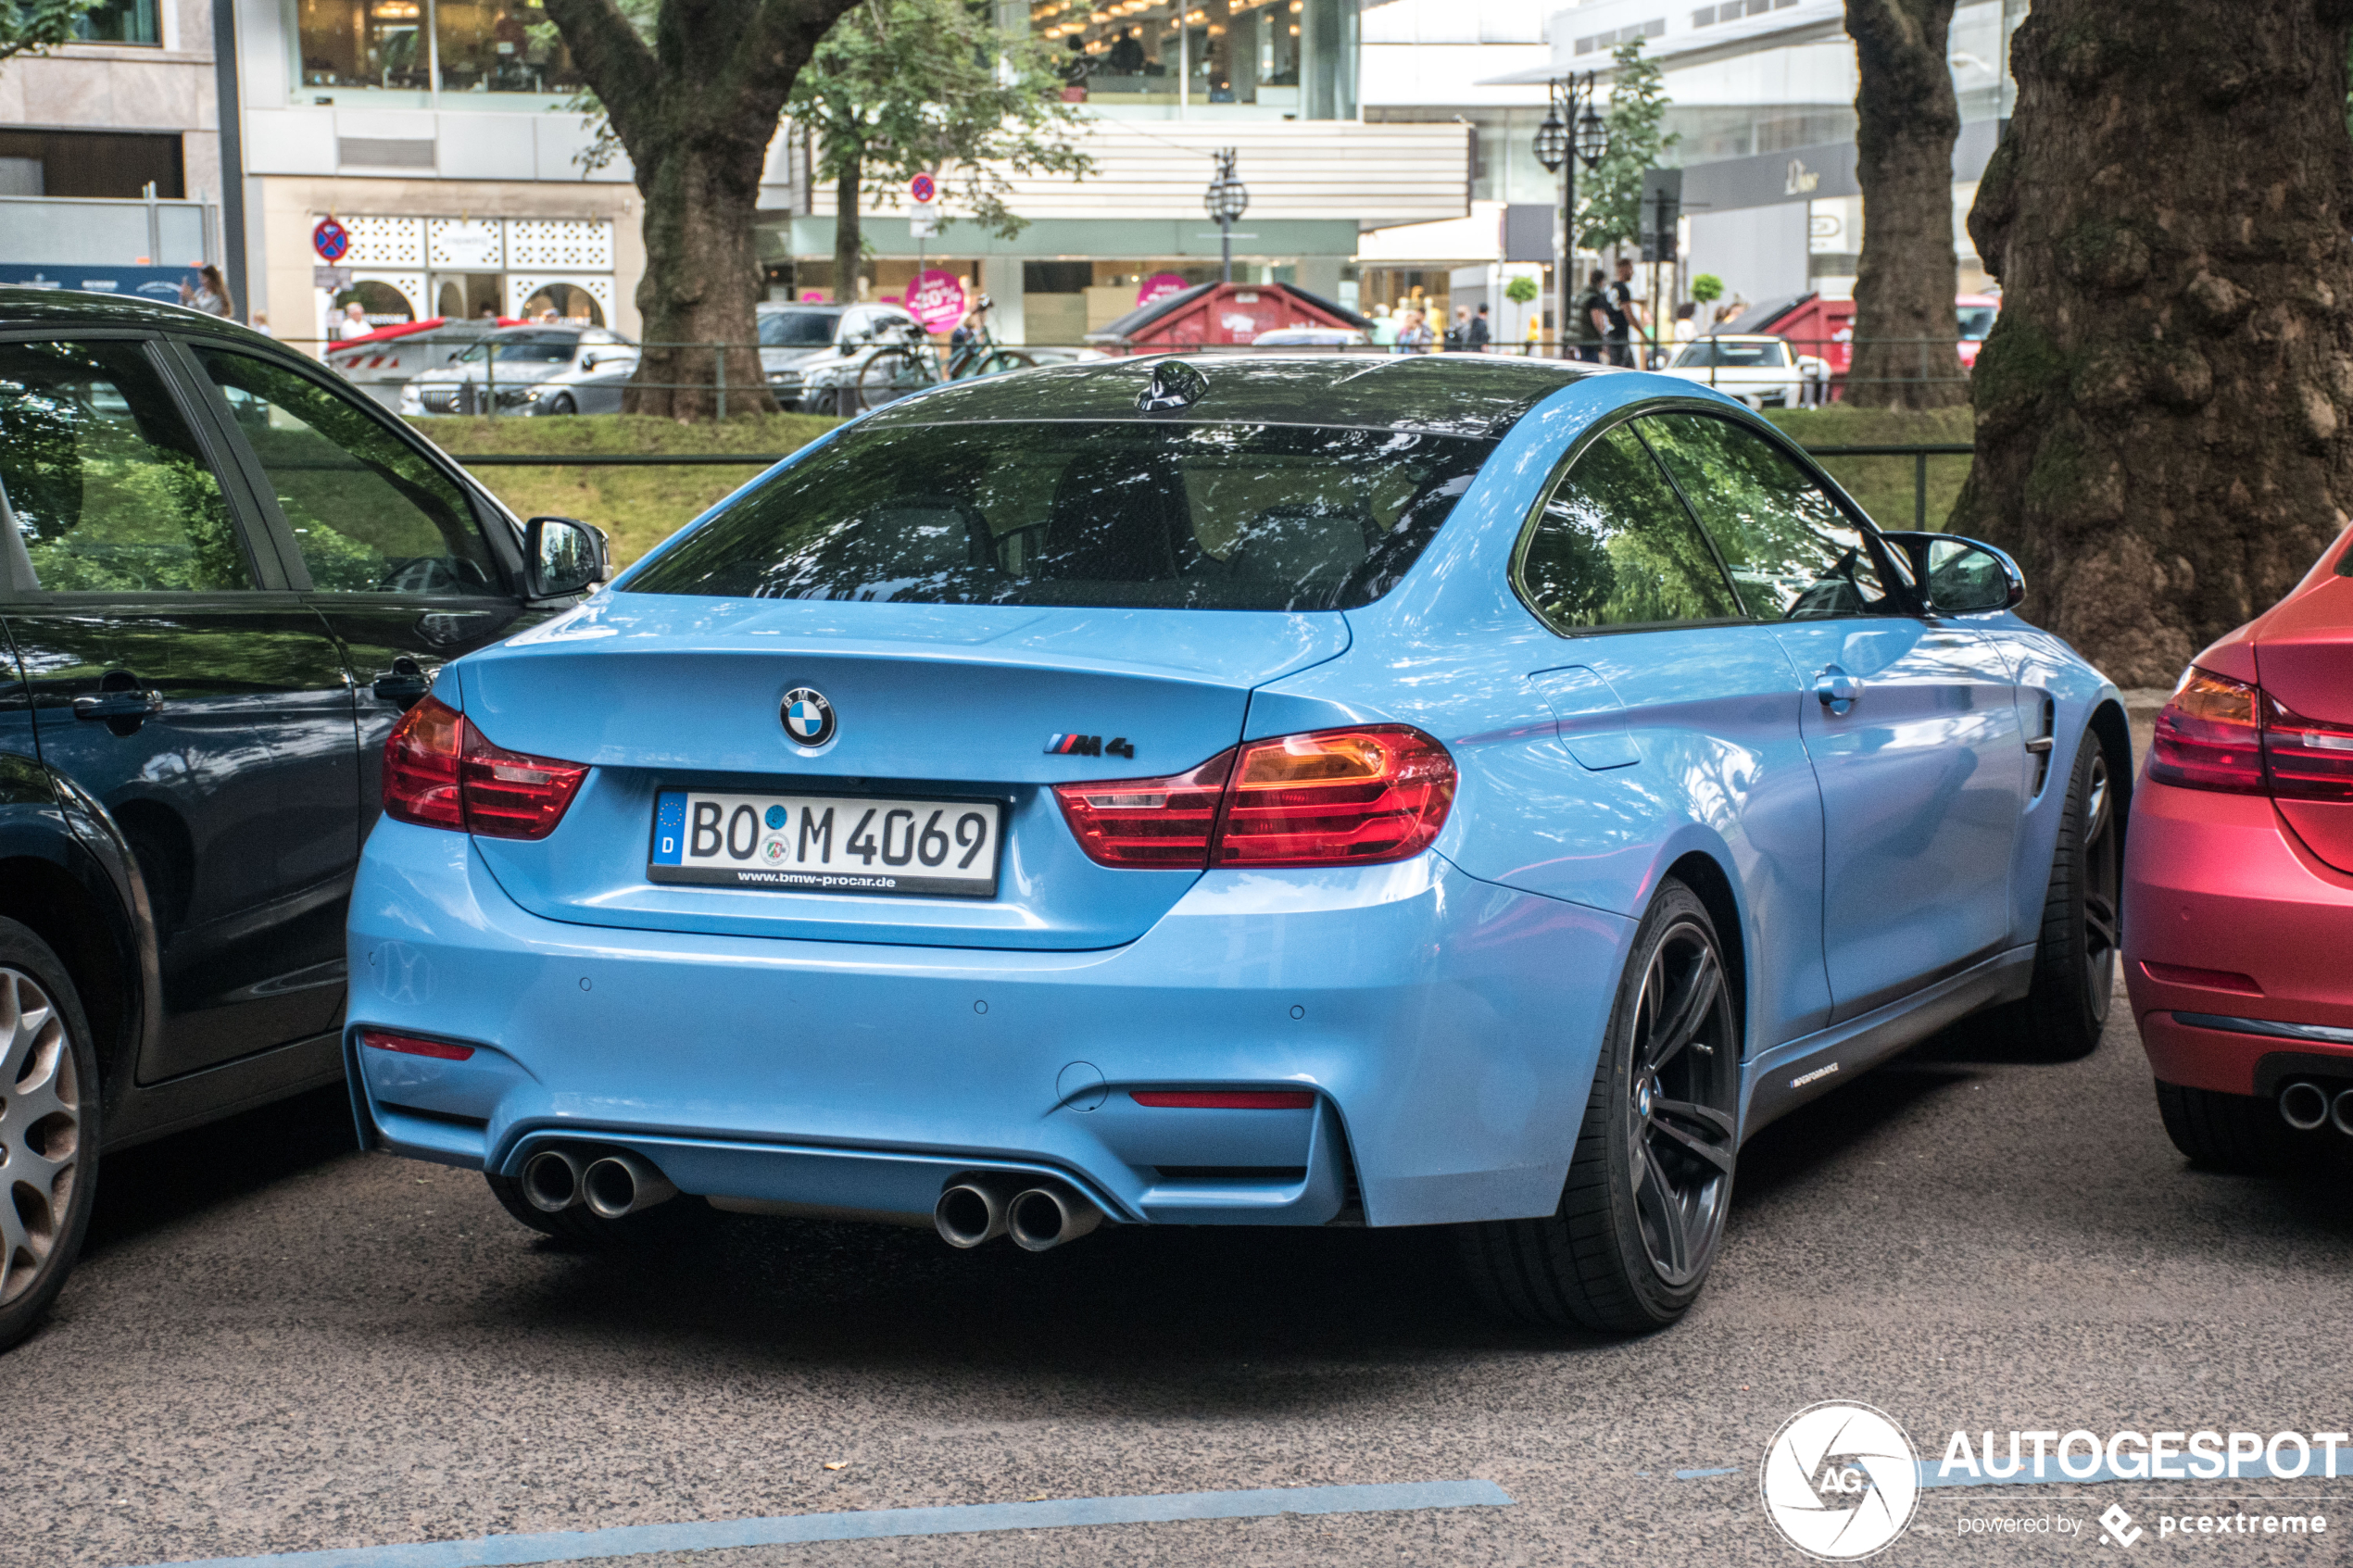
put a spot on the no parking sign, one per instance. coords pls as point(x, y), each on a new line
point(330, 239)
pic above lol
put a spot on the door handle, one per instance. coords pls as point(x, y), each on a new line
point(403, 683)
point(132, 705)
point(1836, 690)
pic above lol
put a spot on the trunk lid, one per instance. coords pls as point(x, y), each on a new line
point(2304, 658)
point(660, 692)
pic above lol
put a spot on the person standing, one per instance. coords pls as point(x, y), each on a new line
point(1589, 331)
point(1479, 335)
point(1625, 314)
point(1127, 56)
point(1414, 336)
point(352, 323)
point(208, 292)
point(1384, 329)
point(1458, 335)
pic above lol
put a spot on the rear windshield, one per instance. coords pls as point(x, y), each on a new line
point(1711, 352)
point(1154, 515)
point(538, 348)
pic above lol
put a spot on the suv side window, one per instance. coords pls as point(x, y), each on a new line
point(1794, 552)
point(369, 513)
point(102, 479)
point(1615, 547)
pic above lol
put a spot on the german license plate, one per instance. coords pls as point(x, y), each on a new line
point(826, 842)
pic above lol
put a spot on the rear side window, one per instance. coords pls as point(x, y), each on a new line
point(1157, 515)
point(798, 329)
point(102, 478)
point(1794, 552)
point(1615, 547)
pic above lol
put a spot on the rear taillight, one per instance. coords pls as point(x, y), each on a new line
point(442, 772)
point(2220, 733)
point(1335, 797)
point(409, 1045)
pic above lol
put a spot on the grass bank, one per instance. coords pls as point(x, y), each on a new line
point(1884, 485)
point(639, 506)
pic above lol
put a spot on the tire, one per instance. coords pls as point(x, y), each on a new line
point(2222, 1132)
point(682, 1219)
point(888, 376)
point(1614, 1256)
point(561, 403)
point(49, 1099)
point(2061, 1018)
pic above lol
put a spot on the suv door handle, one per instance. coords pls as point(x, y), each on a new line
point(132, 705)
point(1836, 691)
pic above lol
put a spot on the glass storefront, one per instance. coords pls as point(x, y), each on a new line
point(476, 46)
point(1295, 56)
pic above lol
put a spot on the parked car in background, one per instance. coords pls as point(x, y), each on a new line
point(533, 370)
point(795, 337)
point(1313, 337)
point(224, 575)
point(1237, 789)
point(1976, 313)
point(2238, 884)
point(383, 362)
point(1762, 370)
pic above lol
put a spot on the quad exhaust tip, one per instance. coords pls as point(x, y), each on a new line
point(2341, 1113)
point(978, 1210)
point(2304, 1106)
point(551, 1180)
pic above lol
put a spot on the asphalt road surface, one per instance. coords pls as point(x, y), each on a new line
point(276, 1344)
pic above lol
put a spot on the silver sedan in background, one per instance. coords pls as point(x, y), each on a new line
point(560, 368)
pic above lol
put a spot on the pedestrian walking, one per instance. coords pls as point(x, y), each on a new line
point(1414, 336)
point(1458, 335)
point(208, 292)
point(1625, 314)
point(1479, 335)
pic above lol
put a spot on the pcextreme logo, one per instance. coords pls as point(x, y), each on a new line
point(1841, 1481)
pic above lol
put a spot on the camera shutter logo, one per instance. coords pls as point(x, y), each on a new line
point(807, 717)
point(1840, 1481)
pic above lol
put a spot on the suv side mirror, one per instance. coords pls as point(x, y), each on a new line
point(563, 555)
point(1961, 576)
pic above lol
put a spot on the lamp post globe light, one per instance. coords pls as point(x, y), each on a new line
point(1226, 199)
point(1560, 149)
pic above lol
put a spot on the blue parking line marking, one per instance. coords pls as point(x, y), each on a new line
point(631, 1540)
point(1696, 1474)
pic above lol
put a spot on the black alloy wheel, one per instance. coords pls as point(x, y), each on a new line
point(48, 1129)
point(1642, 1212)
point(2077, 957)
point(561, 403)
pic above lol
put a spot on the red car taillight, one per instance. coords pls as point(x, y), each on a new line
point(442, 772)
point(1335, 797)
point(2226, 735)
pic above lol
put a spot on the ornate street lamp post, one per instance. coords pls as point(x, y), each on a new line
point(1226, 199)
point(1572, 133)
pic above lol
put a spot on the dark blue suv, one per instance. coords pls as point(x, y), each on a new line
point(224, 575)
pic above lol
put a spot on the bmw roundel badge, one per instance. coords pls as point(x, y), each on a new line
point(807, 717)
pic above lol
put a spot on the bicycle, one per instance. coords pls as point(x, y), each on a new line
point(895, 369)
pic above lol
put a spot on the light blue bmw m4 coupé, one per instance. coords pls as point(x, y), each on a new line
point(1435, 790)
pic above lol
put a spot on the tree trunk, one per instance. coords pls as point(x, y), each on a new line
point(1906, 337)
point(2162, 408)
point(702, 278)
point(848, 239)
point(695, 110)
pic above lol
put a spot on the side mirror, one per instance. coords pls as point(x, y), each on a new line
point(563, 555)
point(1961, 576)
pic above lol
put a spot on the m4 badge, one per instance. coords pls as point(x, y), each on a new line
point(1090, 745)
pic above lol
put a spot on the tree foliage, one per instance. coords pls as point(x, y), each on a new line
point(1609, 204)
point(899, 87)
point(34, 27)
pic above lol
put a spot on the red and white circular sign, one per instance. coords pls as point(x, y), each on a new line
point(923, 190)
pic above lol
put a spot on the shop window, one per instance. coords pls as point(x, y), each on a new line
point(120, 21)
point(362, 43)
point(563, 302)
point(115, 164)
point(501, 47)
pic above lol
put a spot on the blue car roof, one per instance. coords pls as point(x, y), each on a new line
point(1471, 394)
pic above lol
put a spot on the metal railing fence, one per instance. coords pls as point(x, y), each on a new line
point(1919, 452)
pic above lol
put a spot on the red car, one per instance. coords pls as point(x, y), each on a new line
point(2238, 884)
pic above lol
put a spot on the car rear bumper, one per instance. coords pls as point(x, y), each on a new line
point(1447, 1027)
point(2215, 886)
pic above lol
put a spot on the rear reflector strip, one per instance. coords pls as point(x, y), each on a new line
point(408, 1045)
point(2208, 979)
point(1225, 1099)
point(2319, 1034)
